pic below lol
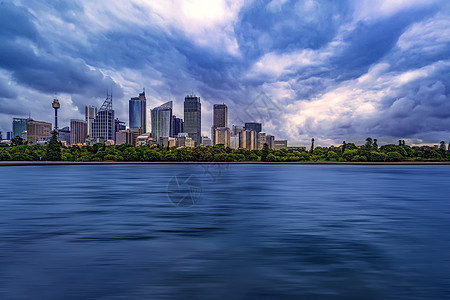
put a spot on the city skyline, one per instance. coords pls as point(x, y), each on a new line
point(336, 70)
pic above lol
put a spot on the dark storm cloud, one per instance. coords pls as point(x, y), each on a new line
point(29, 58)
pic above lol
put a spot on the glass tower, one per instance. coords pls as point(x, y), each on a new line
point(137, 113)
point(193, 118)
point(161, 120)
point(103, 126)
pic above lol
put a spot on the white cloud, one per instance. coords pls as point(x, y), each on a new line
point(374, 9)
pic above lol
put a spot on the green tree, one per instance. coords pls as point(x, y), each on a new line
point(53, 152)
point(17, 141)
point(265, 152)
point(394, 156)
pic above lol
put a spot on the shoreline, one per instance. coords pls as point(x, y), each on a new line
point(59, 163)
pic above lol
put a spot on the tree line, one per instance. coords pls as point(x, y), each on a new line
point(346, 152)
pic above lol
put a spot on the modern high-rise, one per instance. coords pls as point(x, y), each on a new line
point(119, 125)
point(261, 140)
point(270, 140)
point(161, 120)
point(38, 131)
point(222, 136)
point(253, 126)
point(247, 139)
point(90, 113)
point(177, 126)
point(103, 126)
point(9, 135)
point(220, 119)
point(234, 141)
point(193, 118)
point(137, 113)
point(78, 131)
point(237, 129)
point(64, 135)
point(257, 127)
point(19, 125)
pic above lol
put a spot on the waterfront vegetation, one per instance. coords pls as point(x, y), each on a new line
point(346, 152)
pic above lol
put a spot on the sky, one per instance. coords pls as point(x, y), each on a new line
point(323, 69)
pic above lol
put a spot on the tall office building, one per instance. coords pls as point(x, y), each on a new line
point(253, 126)
point(247, 139)
point(38, 131)
point(222, 136)
point(1, 136)
point(161, 120)
point(236, 129)
point(193, 118)
point(19, 125)
point(257, 127)
point(64, 135)
point(78, 131)
point(137, 113)
point(270, 140)
point(177, 126)
point(220, 119)
point(119, 125)
point(9, 135)
point(90, 114)
point(103, 126)
point(261, 140)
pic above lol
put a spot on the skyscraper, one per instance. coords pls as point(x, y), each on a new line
point(137, 113)
point(177, 126)
point(103, 126)
point(222, 136)
point(90, 114)
point(119, 125)
point(261, 140)
point(161, 120)
point(270, 140)
point(193, 118)
point(253, 126)
point(19, 125)
point(220, 119)
point(78, 131)
point(247, 139)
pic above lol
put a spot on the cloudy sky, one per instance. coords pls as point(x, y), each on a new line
point(332, 70)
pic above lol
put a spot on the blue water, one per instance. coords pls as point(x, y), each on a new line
point(225, 232)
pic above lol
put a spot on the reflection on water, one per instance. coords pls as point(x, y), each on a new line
point(254, 231)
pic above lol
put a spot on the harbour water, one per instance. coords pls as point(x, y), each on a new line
point(225, 232)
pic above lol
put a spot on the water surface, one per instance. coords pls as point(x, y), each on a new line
point(253, 232)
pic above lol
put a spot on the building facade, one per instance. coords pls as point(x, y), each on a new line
point(78, 131)
point(253, 126)
point(90, 112)
point(247, 140)
point(261, 140)
point(137, 113)
point(193, 118)
point(64, 135)
point(270, 140)
point(280, 144)
point(38, 131)
point(222, 136)
point(103, 126)
point(220, 119)
point(161, 120)
point(19, 125)
point(177, 126)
